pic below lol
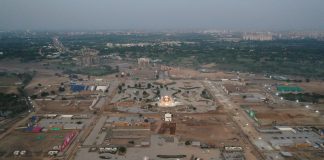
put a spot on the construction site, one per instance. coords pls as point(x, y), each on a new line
point(153, 111)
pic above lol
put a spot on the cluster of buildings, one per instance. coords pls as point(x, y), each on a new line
point(300, 137)
point(47, 122)
point(146, 44)
point(233, 153)
point(112, 45)
point(257, 37)
point(77, 87)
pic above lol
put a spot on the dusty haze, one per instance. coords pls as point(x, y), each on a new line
point(161, 14)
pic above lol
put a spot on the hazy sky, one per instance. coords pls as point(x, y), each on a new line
point(161, 14)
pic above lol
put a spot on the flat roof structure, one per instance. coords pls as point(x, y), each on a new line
point(289, 89)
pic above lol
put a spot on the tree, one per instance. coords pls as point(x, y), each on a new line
point(149, 85)
point(117, 68)
point(33, 96)
point(61, 89)
point(307, 80)
point(44, 94)
point(122, 149)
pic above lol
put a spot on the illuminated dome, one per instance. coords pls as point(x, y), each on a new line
point(166, 101)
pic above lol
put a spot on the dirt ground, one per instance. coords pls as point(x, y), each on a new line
point(36, 144)
point(207, 128)
point(64, 106)
point(8, 89)
point(313, 86)
point(190, 73)
point(48, 80)
point(8, 84)
point(289, 117)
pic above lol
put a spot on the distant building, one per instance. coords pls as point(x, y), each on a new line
point(289, 89)
point(232, 89)
point(257, 37)
point(89, 57)
point(143, 61)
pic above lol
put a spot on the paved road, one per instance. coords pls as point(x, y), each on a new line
point(248, 132)
point(98, 118)
point(92, 138)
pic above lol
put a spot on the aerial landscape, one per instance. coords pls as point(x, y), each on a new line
point(161, 80)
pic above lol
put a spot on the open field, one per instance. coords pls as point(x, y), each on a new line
point(185, 73)
point(36, 144)
point(313, 86)
point(63, 106)
point(215, 129)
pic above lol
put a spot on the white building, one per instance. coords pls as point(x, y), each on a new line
point(143, 61)
point(168, 117)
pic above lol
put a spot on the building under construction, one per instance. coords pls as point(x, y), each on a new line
point(168, 126)
point(89, 57)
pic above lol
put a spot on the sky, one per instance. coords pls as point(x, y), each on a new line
point(161, 14)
